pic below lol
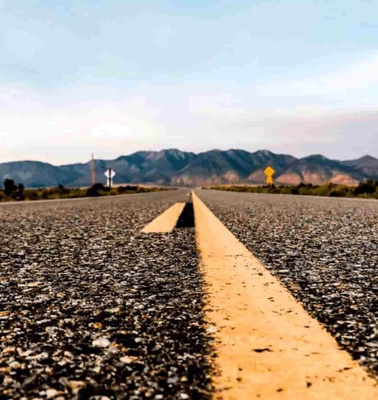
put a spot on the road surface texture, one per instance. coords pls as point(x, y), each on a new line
point(91, 307)
point(325, 251)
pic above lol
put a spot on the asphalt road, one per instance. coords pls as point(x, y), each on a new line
point(324, 250)
point(90, 307)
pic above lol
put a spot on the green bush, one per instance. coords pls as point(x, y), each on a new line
point(127, 188)
point(9, 186)
point(367, 189)
point(31, 194)
point(93, 192)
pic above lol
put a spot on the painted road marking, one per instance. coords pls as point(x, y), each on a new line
point(268, 347)
point(166, 221)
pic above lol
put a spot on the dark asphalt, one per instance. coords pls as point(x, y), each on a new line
point(90, 307)
point(324, 250)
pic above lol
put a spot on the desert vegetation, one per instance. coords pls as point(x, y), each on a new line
point(366, 189)
point(17, 192)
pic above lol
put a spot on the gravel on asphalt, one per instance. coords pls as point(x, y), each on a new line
point(324, 250)
point(90, 308)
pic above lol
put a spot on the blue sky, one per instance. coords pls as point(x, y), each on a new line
point(113, 77)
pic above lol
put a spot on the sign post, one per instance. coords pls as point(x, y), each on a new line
point(269, 172)
point(110, 174)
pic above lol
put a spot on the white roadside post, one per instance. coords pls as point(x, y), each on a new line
point(110, 174)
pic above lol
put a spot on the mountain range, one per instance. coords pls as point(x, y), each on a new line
point(179, 168)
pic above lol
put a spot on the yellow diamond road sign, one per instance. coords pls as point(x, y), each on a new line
point(269, 172)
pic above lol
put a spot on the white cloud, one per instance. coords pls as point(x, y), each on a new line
point(359, 75)
point(66, 126)
point(34, 127)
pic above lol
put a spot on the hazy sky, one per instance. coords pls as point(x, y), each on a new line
point(113, 77)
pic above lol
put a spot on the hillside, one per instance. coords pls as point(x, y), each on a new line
point(175, 167)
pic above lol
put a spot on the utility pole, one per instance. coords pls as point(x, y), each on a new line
point(93, 170)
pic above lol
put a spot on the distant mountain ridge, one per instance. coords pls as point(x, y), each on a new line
point(178, 168)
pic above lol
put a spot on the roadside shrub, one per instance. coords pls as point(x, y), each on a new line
point(367, 186)
point(294, 190)
point(9, 186)
point(44, 194)
point(127, 188)
point(31, 194)
point(98, 186)
point(63, 192)
point(94, 190)
point(365, 189)
point(18, 195)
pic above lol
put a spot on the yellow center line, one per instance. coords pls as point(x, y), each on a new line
point(166, 221)
point(267, 346)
